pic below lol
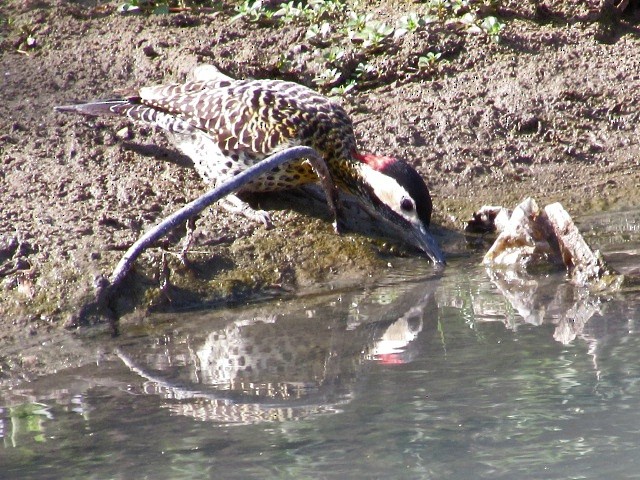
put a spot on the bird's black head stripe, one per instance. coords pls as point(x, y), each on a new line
point(413, 183)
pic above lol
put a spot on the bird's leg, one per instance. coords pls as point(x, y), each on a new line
point(188, 240)
point(338, 214)
point(339, 224)
point(163, 277)
point(330, 191)
point(233, 204)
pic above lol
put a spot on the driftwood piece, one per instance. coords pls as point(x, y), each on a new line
point(106, 289)
point(586, 267)
point(488, 219)
point(533, 237)
point(195, 207)
point(524, 240)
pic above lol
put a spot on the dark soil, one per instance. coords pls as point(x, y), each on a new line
point(551, 111)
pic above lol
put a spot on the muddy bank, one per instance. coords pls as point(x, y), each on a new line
point(550, 111)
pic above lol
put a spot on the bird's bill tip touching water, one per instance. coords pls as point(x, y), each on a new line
point(429, 245)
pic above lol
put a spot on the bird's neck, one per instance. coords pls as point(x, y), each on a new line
point(377, 162)
point(352, 173)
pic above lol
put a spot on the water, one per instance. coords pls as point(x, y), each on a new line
point(466, 375)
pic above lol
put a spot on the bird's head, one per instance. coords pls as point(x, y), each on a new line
point(395, 192)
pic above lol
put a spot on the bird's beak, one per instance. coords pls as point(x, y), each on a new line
point(425, 242)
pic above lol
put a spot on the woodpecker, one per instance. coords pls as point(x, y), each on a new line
point(226, 125)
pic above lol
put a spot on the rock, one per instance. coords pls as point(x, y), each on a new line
point(124, 133)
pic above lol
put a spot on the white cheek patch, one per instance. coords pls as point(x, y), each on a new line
point(389, 192)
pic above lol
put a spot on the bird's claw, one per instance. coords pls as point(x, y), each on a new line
point(261, 216)
point(234, 205)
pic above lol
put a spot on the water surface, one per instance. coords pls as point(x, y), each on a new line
point(469, 374)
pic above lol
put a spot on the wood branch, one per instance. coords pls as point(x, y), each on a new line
point(106, 289)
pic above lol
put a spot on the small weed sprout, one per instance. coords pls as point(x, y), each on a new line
point(289, 11)
point(333, 55)
point(356, 22)
point(162, 7)
point(332, 77)
point(409, 24)
point(283, 63)
point(492, 27)
point(373, 35)
point(360, 73)
point(363, 69)
point(429, 61)
point(460, 6)
point(439, 8)
point(310, 11)
point(319, 34)
point(27, 40)
point(470, 21)
point(252, 11)
point(327, 77)
point(343, 89)
point(323, 9)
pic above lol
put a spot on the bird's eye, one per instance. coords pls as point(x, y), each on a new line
point(406, 204)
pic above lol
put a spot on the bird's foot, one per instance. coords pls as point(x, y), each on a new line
point(339, 225)
point(233, 204)
point(338, 209)
point(188, 240)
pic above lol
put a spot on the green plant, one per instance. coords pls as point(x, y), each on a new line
point(361, 71)
point(356, 22)
point(328, 77)
point(489, 26)
point(492, 27)
point(333, 55)
point(331, 21)
point(319, 34)
point(310, 11)
point(252, 11)
point(450, 10)
point(289, 11)
point(439, 8)
point(165, 6)
point(27, 38)
point(410, 23)
point(283, 63)
point(326, 8)
point(429, 61)
point(373, 35)
point(344, 88)
point(459, 6)
point(316, 10)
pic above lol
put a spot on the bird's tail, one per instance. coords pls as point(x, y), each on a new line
point(133, 110)
point(98, 108)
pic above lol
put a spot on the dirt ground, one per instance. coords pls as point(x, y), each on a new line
point(551, 111)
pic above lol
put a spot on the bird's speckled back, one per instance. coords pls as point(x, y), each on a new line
point(237, 123)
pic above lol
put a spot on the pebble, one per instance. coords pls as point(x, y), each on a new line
point(124, 133)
